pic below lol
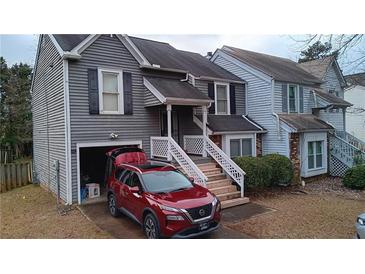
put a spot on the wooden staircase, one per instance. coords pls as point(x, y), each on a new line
point(221, 185)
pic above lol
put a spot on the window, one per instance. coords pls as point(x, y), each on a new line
point(165, 181)
point(133, 181)
point(240, 147)
point(315, 154)
point(110, 88)
point(221, 99)
point(293, 98)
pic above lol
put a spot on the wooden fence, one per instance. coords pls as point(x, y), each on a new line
point(15, 175)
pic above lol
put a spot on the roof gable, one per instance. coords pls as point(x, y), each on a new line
point(281, 69)
point(69, 41)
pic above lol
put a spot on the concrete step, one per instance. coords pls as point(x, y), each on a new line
point(215, 177)
point(223, 189)
point(229, 196)
point(219, 183)
point(207, 165)
point(211, 171)
point(234, 202)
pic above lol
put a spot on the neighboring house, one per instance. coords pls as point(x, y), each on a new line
point(355, 116)
point(292, 104)
point(92, 93)
point(328, 70)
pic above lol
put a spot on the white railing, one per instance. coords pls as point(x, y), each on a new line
point(163, 146)
point(228, 165)
point(159, 147)
point(193, 144)
point(344, 151)
point(360, 144)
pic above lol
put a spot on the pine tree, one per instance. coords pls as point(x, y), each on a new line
point(316, 51)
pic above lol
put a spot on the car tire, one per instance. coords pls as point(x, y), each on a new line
point(113, 210)
point(150, 227)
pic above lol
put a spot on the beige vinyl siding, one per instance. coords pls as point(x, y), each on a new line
point(49, 129)
point(107, 52)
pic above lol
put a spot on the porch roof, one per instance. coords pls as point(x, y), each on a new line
point(231, 123)
point(304, 122)
point(175, 92)
point(331, 100)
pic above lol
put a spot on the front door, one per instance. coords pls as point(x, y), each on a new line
point(174, 124)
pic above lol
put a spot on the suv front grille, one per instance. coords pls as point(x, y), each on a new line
point(200, 212)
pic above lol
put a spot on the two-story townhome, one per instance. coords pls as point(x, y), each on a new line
point(93, 93)
point(333, 83)
point(290, 103)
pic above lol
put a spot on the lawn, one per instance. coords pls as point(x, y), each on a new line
point(31, 212)
point(320, 210)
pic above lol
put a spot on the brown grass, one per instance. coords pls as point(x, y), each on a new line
point(31, 212)
point(304, 216)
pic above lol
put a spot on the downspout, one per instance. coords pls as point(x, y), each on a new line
point(273, 109)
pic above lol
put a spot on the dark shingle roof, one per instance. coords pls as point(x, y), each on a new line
point(332, 99)
point(68, 41)
point(356, 79)
point(304, 122)
point(166, 56)
point(174, 88)
point(317, 67)
point(281, 69)
point(230, 123)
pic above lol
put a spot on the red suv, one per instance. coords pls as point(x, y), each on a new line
point(158, 196)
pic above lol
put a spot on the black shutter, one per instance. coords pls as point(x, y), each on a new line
point(92, 74)
point(211, 96)
point(127, 92)
point(284, 97)
point(301, 99)
point(232, 98)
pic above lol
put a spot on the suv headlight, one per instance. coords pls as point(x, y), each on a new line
point(361, 221)
point(168, 208)
point(217, 204)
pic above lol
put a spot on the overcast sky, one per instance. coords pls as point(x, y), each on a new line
point(22, 48)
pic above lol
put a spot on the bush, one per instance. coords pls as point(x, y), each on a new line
point(258, 172)
point(282, 169)
point(355, 177)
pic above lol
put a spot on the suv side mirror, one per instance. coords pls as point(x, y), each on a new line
point(191, 179)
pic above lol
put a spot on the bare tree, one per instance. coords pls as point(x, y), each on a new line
point(350, 47)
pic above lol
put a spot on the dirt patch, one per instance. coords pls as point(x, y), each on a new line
point(31, 212)
point(322, 209)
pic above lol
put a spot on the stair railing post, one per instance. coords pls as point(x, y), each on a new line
point(169, 131)
point(205, 113)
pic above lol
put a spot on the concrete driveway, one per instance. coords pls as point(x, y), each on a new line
point(125, 228)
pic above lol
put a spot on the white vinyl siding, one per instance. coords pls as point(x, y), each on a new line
point(332, 82)
point(313, 147)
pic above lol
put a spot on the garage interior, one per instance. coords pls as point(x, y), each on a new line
point(92, 171)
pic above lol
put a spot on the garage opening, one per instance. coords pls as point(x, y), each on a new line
point(92, 173)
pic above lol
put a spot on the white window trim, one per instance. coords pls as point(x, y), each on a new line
point(120, 91)
point(315, 156)
point(296, 98)
point(240, 136)
point(228, 99)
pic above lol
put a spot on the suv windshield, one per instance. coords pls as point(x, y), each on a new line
point(165, 181)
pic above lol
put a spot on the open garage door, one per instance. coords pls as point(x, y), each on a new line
point(91, 171)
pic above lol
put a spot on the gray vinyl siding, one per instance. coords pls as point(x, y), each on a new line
point(307, 98)
point(48, 93)
point(202, 85)
point(107, 52)
point(150, 99)
point(332, 81)
point(259, 107)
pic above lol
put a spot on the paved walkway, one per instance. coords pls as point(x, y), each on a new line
point(125, 228)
